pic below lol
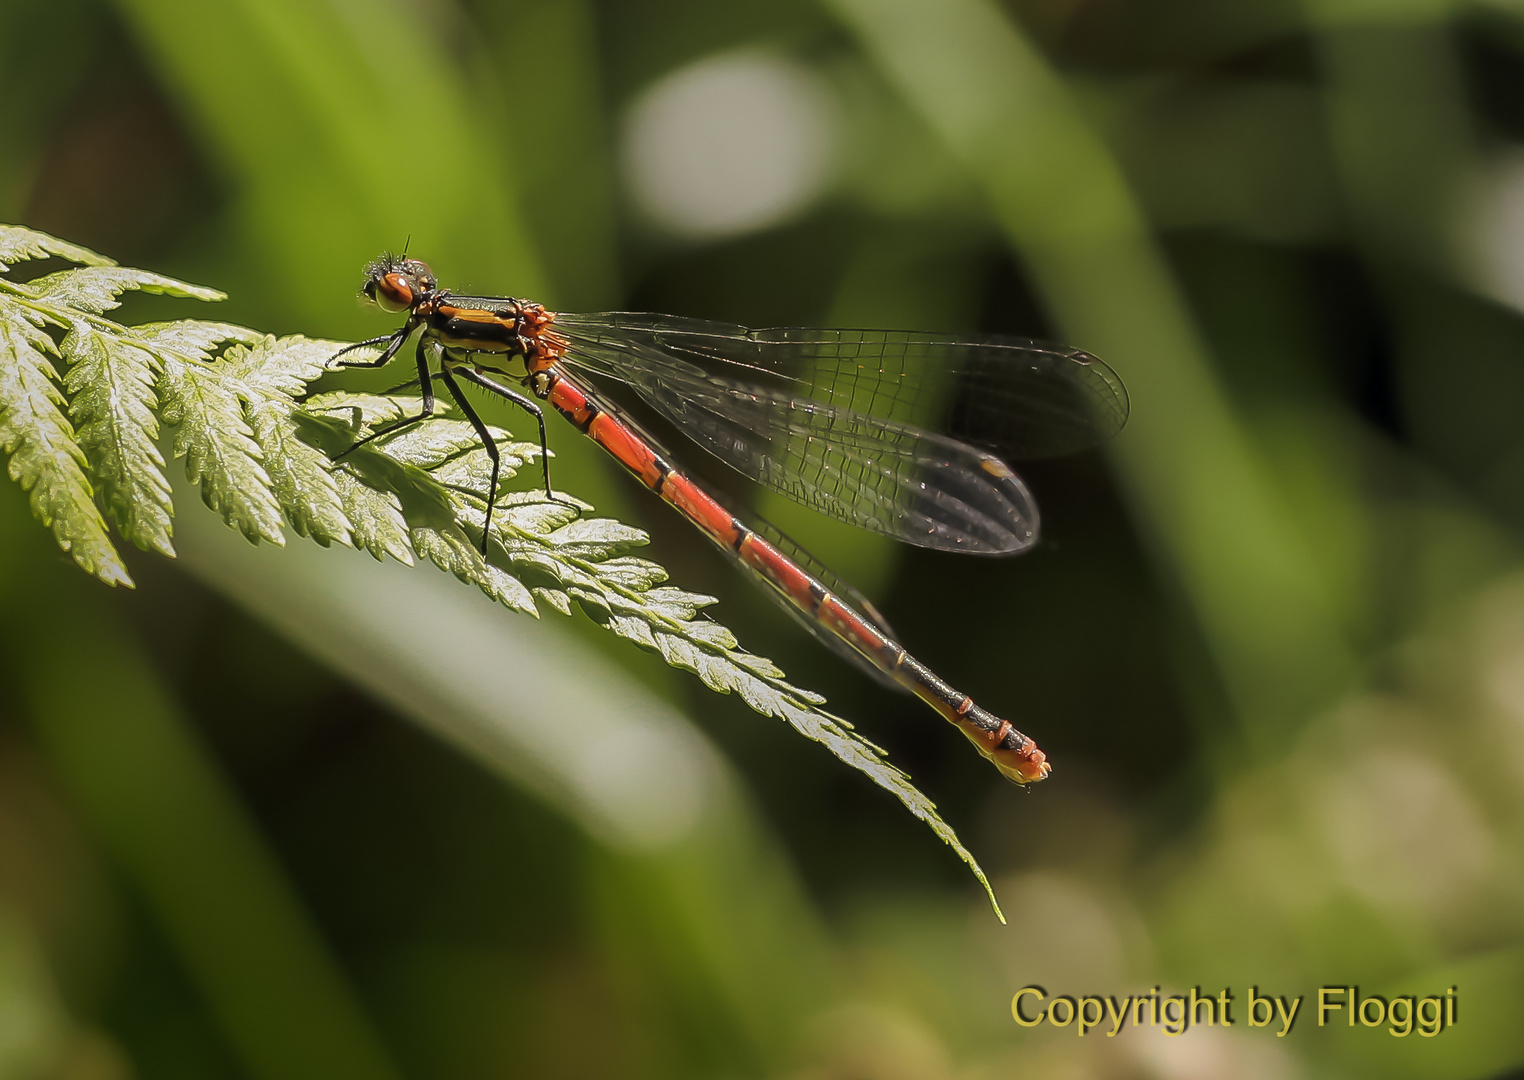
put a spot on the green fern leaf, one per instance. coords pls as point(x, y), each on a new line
point(431, 444)
point(625, 626)
point(375, 518)
point(113, 405)
point(277, 367)
point(266, 377)
point(343, 405)
point(676, 604)
point(759, 665)
point(193, 339)
point(511, 592)
point(596, 537)
point(300, 475)
point(472, 471)
point(449, 548)
point(96, 288)
point(629, 572)
point(44, 455)
point(555, 598)
point(531, 512)
point(112, 383)
point(18, 244)
point(213, 436)
point(714, 635)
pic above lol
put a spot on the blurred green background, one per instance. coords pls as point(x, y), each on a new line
point(1273, 640)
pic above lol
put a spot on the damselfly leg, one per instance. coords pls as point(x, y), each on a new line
point(393, 343)
point(528, 405)
point(488, 442)
point(426, 388)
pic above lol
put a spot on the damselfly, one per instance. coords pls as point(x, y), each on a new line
point(887, 430)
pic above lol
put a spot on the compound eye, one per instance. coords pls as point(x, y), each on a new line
point(393, 292)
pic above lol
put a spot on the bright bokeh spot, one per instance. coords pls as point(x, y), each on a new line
point(729, 145)
point(1494, 227)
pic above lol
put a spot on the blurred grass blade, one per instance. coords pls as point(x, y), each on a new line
point(303, 102)
point(1059, 195)
point(158, 804)
point(34, 1036)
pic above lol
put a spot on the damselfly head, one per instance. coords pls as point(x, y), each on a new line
point(395, 283)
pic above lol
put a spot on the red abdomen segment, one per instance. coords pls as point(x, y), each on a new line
point(1015, 755)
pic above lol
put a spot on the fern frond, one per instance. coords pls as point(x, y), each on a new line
point(265, 458)
point(96, 289)
point(375, 518)
point(18, 244)
point(193, 339)
point(45, 458)
point(115, 379)
point(214, 437)
point(113, 407)
point(267, 377)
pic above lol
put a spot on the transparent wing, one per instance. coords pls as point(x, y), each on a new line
point(802, 558)
point(1022, 399)
point(844, 592)
point(834, 419)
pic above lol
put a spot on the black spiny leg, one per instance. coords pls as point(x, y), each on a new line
point(393, 343)
point(488, 443)
point(424, 384)
point(528, 406)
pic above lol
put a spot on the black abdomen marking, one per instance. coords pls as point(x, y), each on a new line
point(488, 333)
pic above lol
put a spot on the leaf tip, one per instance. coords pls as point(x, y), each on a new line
point(112, 574)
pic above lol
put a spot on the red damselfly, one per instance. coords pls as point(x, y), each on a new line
point(887, 430)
